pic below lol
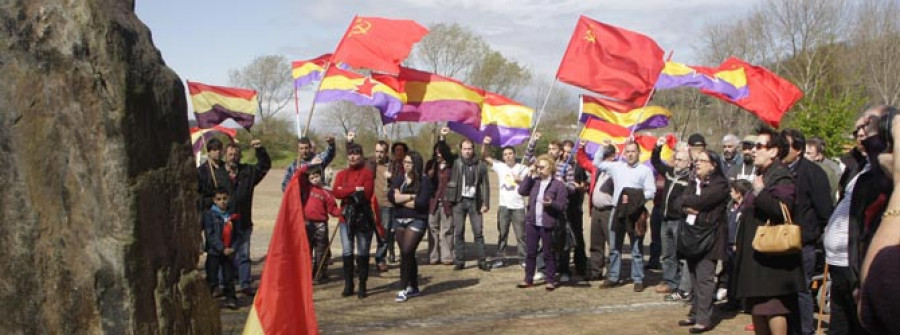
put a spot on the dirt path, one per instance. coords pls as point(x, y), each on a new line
point(472, 301)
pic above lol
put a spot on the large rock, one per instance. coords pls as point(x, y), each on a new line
point(98, 223)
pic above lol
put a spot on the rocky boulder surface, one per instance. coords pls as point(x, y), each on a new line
point(98, 221)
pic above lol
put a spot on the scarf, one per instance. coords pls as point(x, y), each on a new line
point(469, 170)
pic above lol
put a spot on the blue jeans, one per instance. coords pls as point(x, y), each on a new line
point(671, 267)
point(242, 250)
point(467, 207)
point(615, 259)
point(388, 241)
point(361, 239)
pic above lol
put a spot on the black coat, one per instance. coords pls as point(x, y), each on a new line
point(208, 184)
point(244, 183)
point(762, 275)
point(674, 188)
point(711, 203)
point(813, 205)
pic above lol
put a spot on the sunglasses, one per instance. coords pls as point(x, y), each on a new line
point(760, 146)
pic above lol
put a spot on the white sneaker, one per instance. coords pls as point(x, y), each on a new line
point(538, 276)
point(721, 294)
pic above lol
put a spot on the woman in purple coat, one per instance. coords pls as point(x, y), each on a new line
point(547, 202)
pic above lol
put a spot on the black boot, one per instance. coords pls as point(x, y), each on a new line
point(348, 276)
point(363, 267)
point(391, 257)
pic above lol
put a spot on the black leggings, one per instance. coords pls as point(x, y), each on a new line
point(408, 239)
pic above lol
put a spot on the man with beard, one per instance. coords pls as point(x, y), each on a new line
point(730, 156)
point(744, 170)
point(243, 179)
point(469, 193)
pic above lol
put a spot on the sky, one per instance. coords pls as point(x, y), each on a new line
point(201, 40)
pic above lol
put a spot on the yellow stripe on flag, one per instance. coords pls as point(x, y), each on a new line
point(204, 102)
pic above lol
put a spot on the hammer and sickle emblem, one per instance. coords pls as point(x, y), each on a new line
point(589, 36)
point(361, 27)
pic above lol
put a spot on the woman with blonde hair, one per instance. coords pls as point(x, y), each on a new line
point(547, 203)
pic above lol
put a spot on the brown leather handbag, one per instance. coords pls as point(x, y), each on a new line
point(779, 239)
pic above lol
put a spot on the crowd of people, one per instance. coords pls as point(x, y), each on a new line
point(702, 209)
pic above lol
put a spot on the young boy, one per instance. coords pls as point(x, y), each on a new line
point(217, 225)
point(316, 209)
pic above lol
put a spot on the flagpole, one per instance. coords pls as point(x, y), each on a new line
point(641, 115)
point(297, 109)
point(544, 105)
point(312, 108)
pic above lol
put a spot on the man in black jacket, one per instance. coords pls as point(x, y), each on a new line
point(812, 208)
point(469, 191)
point(677, 178)
point(243, 179)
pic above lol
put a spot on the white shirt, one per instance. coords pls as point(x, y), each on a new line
point(509, 186)
point(624, 175)
point(467, 191)
point(539, 203)
point(837, 232)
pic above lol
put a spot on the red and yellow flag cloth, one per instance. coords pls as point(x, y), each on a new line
point(284, 301)
point(612, 61)
point(343, 85)
point(648, 117)
point(769, 96)
point(215, 104)
point(310, 70)
point(596, 131)
point(199, 137)
point(377, 43)
point(507, 122)
point(429, 97)
point(730, 83)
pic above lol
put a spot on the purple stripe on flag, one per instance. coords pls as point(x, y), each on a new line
point(442, 110)
point(702, 82)
point(219, 114)
point(656, 121)
point(386, 104)
point(500, 136)
point(308, 78)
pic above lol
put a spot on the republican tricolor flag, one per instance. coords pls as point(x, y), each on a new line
point(597, 131)
point(648, 117)
point(215, 104)
point(429, 97)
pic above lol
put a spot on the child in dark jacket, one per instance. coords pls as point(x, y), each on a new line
point(316, 209)
point(220, 232)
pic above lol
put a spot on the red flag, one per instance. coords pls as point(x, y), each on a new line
point(770, 95)
point(284, 302)
point(378, 44)
point(611, 61)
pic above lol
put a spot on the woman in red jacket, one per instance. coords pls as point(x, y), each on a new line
point(354, 187)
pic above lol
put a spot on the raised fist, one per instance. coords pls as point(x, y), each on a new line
point(350, 136)
point(445, 131)
point(487, 140)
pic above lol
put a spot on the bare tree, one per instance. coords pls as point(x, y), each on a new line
point(876, 50)
point(269, 75)
point(449, 50)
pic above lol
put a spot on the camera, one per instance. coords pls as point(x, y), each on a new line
point(884, 126)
